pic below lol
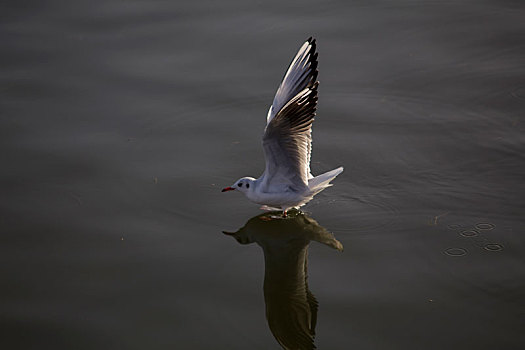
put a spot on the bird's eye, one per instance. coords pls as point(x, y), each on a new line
point(240, 184)
point(247, 185)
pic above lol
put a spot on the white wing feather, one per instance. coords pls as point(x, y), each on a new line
point(288, 134)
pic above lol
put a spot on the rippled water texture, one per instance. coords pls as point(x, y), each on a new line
point(120, 122)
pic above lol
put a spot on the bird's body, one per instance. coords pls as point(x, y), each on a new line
point(287, 141)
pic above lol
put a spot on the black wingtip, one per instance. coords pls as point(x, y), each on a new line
point(311, 40)
point(314, 64)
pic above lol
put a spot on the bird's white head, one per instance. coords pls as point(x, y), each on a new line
point(244, 184)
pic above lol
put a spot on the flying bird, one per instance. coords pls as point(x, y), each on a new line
point(287, 141)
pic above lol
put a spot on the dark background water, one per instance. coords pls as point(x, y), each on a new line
point(121, 120)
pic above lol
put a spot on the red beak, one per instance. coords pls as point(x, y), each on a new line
point(227, 189)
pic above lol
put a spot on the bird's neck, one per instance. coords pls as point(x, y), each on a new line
point(251, 190)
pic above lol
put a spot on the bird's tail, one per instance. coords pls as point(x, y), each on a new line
point(320, 182)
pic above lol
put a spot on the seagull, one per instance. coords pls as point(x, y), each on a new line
point(287, 181)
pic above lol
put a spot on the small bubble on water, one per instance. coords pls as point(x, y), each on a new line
point(485, 226)
point(454, 226)
point(456, 251)
point(493, 247)
point(469, 233)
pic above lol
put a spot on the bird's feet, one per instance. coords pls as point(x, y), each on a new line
point(274, 215)
point(279, 213)
point(291, 213)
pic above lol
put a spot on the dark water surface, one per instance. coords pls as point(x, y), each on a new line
point(121, 120)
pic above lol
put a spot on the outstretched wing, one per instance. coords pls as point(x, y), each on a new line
point(288, 135)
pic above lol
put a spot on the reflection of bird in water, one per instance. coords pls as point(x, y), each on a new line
point(291, 309)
